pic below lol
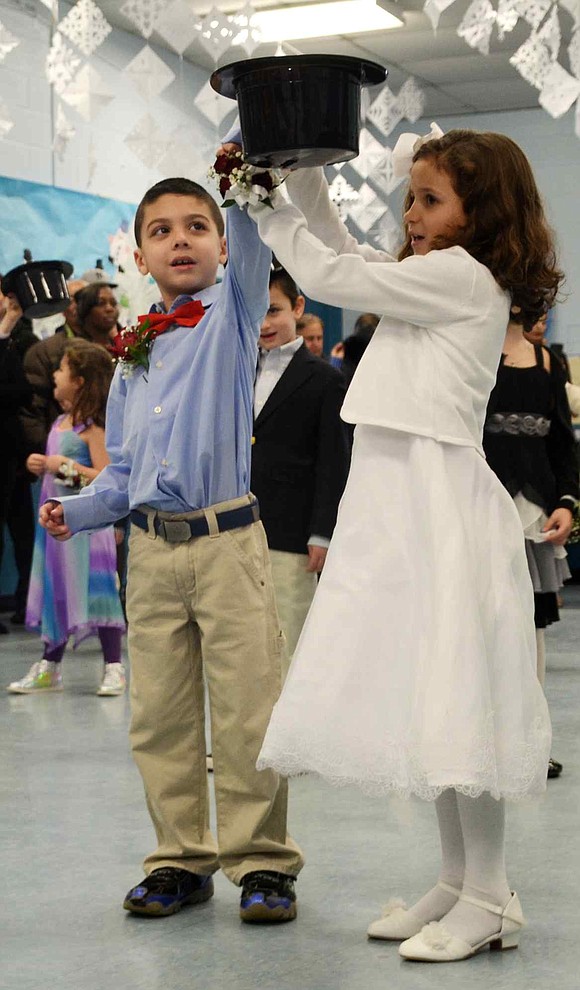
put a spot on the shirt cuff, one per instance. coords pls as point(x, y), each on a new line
point(318, 541)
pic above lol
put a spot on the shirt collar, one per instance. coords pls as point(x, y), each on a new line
point(205, 296)
point(290, 348)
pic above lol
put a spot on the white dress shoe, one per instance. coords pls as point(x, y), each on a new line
point(435, 944)
point(399, 922)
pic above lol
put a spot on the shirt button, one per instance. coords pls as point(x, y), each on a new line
point(157, 409)
point(164, 463)
point(159, 364)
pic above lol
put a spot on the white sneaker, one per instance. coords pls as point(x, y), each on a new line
point(43, 676)
point(113, 682)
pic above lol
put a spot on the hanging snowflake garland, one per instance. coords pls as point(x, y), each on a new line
point(550, 34)
point(385, 112)
point(411, 100)
point(149, 73)
point(63, 132)
point(368, 209)
point(574, 53)
point(179, 25)
point(144, 14)
point(8, 42)
point(61, 63)
point(434, 8)
point(146, 141)
point(88, 94)
point(245, 33)
point(215, 33)
point(85, 26)
point(506, 18)
point(213, 106)
point(533, 11)
point(559, 92)
point(533, 61)
point(477, 25)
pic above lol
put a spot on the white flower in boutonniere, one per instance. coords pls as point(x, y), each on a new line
point(241, 183)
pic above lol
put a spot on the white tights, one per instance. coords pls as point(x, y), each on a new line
point(473, 861)
point(541, 655)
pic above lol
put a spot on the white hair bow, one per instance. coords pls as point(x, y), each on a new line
point(407, 145)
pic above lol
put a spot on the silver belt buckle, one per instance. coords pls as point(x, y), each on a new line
point(175, 530)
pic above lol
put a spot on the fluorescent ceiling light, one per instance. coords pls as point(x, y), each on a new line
point(320, 20)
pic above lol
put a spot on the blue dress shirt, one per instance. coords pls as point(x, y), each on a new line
point(179, 435)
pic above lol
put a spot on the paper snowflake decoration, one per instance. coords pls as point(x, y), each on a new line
point(61, 63)
point(213, 106)
point(386, 233)
point(144, 14)
point(215, 33)
point(85, 26)
point(506, 18)
point(63, 132)
point(550, 33)
point(149, 73)
point(385, 112)
point(434, 8)
point(370, 154)
point(7, 42)
point(88, 93)
point(574, 53)
point(245, 33)
point(411, 100)
point(367, 210)
point(477, 25)
point(6, 122)
point(178, 26)
point(146, 141)
point(532, 60)
point(383, 174)
point(559, 92)
point(533, 11)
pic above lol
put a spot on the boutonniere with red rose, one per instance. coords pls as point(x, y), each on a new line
point(241, 183)
point(131, 346)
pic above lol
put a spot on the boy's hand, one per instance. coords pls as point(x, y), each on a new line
point(227, 149)
point(35, 463)
point(316, 558)
point(51, 518)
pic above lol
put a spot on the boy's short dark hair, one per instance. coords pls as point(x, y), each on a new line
point(286, 284)
point(178, 187)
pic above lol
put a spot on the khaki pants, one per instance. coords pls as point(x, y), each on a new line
point(207, 603)
point(294, 587)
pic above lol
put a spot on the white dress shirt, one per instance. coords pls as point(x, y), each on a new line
point(271, 366)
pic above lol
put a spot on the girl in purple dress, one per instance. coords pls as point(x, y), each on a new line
point(73, 585)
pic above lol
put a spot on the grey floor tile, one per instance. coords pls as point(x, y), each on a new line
point(73, 830)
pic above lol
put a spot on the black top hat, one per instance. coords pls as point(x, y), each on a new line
point(298, 109)
point(40, 287)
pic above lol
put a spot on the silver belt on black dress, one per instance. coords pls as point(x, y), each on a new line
point(518, 424)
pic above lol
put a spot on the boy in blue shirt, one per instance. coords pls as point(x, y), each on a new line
point(200, 599)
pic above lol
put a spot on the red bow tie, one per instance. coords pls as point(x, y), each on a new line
point(187, 315)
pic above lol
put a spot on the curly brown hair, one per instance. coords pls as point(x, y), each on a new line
point(95, 366)
point(506, 227)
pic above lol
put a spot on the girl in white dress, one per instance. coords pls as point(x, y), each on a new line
point(416, 671)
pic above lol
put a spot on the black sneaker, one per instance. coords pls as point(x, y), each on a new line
point(554, 769)
point(267, 898)
point(166, 890)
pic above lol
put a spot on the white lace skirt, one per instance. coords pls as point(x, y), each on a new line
point(416, 668)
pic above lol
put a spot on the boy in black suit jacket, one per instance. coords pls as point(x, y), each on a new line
point(300, 454)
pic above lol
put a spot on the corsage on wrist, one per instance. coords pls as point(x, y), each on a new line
point(69, 476)
point(243, 183)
